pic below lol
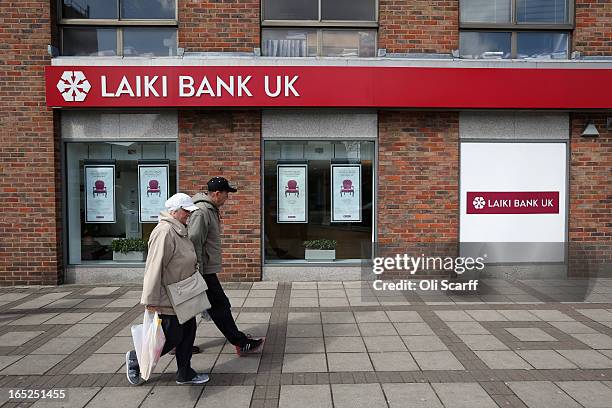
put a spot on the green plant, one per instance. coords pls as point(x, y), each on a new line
point(327, 244)
point(125, 245)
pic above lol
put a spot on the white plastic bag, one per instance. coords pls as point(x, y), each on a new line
point(149, 341)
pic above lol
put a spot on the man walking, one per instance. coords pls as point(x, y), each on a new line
point(204, 231)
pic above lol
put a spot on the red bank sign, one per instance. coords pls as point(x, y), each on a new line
point(333, 86)
point(523, 202)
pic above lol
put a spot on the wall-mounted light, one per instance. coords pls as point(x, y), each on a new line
point(590, 130)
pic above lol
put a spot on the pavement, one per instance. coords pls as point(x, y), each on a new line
point(329, 344)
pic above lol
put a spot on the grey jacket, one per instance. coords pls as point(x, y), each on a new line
point(204, 231)
point(170, 259)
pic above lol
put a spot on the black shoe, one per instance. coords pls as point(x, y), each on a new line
point(198, 379)
point(132, 369)
point(194, 350)
point(250, 347)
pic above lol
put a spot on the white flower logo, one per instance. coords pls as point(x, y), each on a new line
point(74, 86)
point(478, 203)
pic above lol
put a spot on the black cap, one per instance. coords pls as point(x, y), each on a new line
point(220, 184)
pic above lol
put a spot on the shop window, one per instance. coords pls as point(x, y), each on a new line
point(521, 29)
point(339, 28)
point(115, 190)
point(120, 27)
point(317, 190)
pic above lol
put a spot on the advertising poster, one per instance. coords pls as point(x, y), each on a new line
point(346, 192)
point(292, 193)
point(99, 193)
point(153, 185)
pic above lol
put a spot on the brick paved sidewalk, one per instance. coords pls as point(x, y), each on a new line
point(329, 344)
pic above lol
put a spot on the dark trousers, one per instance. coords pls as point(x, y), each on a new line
point(181, 337)
point(220, 311)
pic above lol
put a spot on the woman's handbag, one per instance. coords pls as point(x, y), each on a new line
point(188, 297)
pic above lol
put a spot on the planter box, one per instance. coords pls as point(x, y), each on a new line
point(320, 254)
point(132, 256)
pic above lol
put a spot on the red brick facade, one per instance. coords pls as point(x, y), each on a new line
point(419, 26)
point(228, 144)
point(30, 187)
point(593, 33)
point(218, 26)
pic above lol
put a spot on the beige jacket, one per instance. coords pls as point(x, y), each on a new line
point(171, 258)
point(205, 233)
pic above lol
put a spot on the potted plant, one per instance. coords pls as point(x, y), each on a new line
point(320, 250)
point(129, 249)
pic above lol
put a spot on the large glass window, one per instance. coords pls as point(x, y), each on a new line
point(515, 28)
point(317, 217)
point(329, 28)
point(118, 27)
point(110, 171)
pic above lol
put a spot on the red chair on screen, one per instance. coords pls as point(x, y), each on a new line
point(347, 187)
point(292, 188)
point(99, 188)
point(153, 188)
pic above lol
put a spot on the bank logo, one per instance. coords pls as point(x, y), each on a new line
point(74, 86)
point(478, 203)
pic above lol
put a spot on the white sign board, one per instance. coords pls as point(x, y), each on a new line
point(517, 194)
point(346, 192)
point(153, 190)
point(292, 193)
point(99, 193)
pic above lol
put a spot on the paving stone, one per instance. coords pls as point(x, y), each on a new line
point(6, 361)
point(94, 303)
point(304, 345)
point(332, 293)
point(530, 334)
point(226, 397)
point(254, 329)
point(304, 363)
point(172, 396)
point(546, 359)
point(463, 395)
point(363, 301)
point(413, 329)
point(552, 315)
point(64, 345)
point(588, 393)
point(63, 304)
point(204, 362)
point(542, 394)
point(384, 343)
point(599, 315)
point(258, 302)
point(379, 329)
point(299, 293)
point(404, 316)
point(132, 294)
point(358, 396)
point(333, 302)
point(237, 293)
point(101, 291)
point(12, 297)
point(208, 330)
point(597, 341)
point(263, 293)
point(77, 398)
point(116, 343)
point(519, 315)
point(231, 363)
point(102, 317)
point(349, 362)
point(587, 358)
point(253, 317)
point(33, 320)
point(573, 327)
point(32, 365)
point(393, 361)
point(41, 301)
point(100, 363)
point(129, 397)
point(437, 360)
point(417, 395)
point(17, 338)
point(454, 316)
point(123, 303)
point(503, 360)
point(607, 353)
point(304, 302)
point(304, 318)
point(337, 317)
point(67, 318)
point(482, 342)
point(424, 343)
point(341, 329)
point(304, 330)
point(303, 285)
point(486, 315)
point(467, 328)
point(371, 317)
point(305, 396)
point(264, 285)
point(344, 345)
point(83, 330)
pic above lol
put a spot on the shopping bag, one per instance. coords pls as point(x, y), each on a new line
point(149, 341)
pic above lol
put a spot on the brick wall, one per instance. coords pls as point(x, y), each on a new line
point(30, 227)
point(593, 33)
point(420, 26)
point(229, 144)
point(418, 182)
point(219, 25)
point(590, 212)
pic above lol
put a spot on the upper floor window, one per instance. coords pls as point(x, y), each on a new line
point(118, 27)
point(522, 29)
point(331, 28)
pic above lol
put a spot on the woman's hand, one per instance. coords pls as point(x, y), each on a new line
point(151, 308)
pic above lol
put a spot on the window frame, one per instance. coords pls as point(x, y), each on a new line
point(320, 22)
point(117, 23)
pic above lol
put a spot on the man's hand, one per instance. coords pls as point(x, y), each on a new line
point(151, 308)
